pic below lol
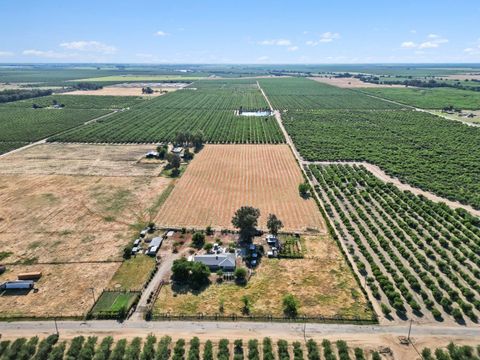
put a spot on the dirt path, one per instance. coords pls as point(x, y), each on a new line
point(163, 270)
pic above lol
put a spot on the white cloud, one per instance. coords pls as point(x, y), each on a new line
point(433, 41)
point(408, 45)
point(292, 48)
point(413, 31)
point(46, 54)
point(263, 58)
point(276, 42)
point(6, 53)
point(161, 33)
point(89, 46)
point(326, 37)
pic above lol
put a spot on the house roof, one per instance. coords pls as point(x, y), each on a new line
point(220, 260)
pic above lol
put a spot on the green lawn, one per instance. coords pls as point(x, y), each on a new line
point(133, 273)
point(111, 301)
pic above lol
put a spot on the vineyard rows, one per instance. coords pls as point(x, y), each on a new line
point(418, 257)
point(420, 149)
point(301, 93)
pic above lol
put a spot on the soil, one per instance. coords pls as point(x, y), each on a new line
point(223, 178)
point(351, 83)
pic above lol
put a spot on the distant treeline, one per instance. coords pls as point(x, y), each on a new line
point(20, 94)
point(87, 86)
point(414, 82)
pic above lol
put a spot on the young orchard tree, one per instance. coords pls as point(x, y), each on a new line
point(246, 220)
point(304, 190)
point(274, 224)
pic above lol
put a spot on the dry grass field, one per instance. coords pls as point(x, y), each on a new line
point(222, 178)
point(66, 219)
point(64, 290)
point(350, 83)
point(322, 282)
point(81, 159)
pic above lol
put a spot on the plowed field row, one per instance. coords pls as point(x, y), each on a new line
point(224, 177)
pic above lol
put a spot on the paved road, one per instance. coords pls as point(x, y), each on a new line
point(216, 330)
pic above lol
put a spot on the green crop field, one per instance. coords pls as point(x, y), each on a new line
point(436, 98)
point(423, 150)
point(301, 93)
point(159, 124)
point(78, 102)
point(130, 78)
point(209, 108)
point(27, 125)
point(6, 146)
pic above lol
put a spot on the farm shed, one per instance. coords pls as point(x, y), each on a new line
point(154, 246)
point(17, 285)
point(226, 262)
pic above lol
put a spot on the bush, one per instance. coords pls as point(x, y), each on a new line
point(240, 275)
point(75, 348)
point(238, 349)
point(359, 355)
point(179, 350)
point(297, 351)
point(290, 305)
point(148, 352)
point(312, 350)
point(267, 349)
point(253, 353)
point(194, 351)
point(282, 346)
point(88, 350)
point(198, 240)
point(208, 351)
point(343, 350)
point(45, 347)
point(133, 351)
point(57, 352)
point(103, 351)
point(223, 352)
point(327, 350)
point(163, 349)
point(119, 350)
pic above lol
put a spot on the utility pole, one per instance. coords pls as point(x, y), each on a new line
point(409, 330)
point(56, 326)
point(305, 331)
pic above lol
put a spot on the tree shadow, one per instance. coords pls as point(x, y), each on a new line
point(184, 288)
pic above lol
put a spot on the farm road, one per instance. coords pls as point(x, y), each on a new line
point(218, 330)
point(163, 270)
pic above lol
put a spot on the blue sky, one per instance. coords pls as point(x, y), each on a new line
point(247, 31)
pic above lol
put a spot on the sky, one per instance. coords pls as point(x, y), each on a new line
point(246, 31)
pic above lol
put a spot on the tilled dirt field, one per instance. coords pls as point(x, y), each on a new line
point(223, 178)
point(350, 82)
point(116, 91)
